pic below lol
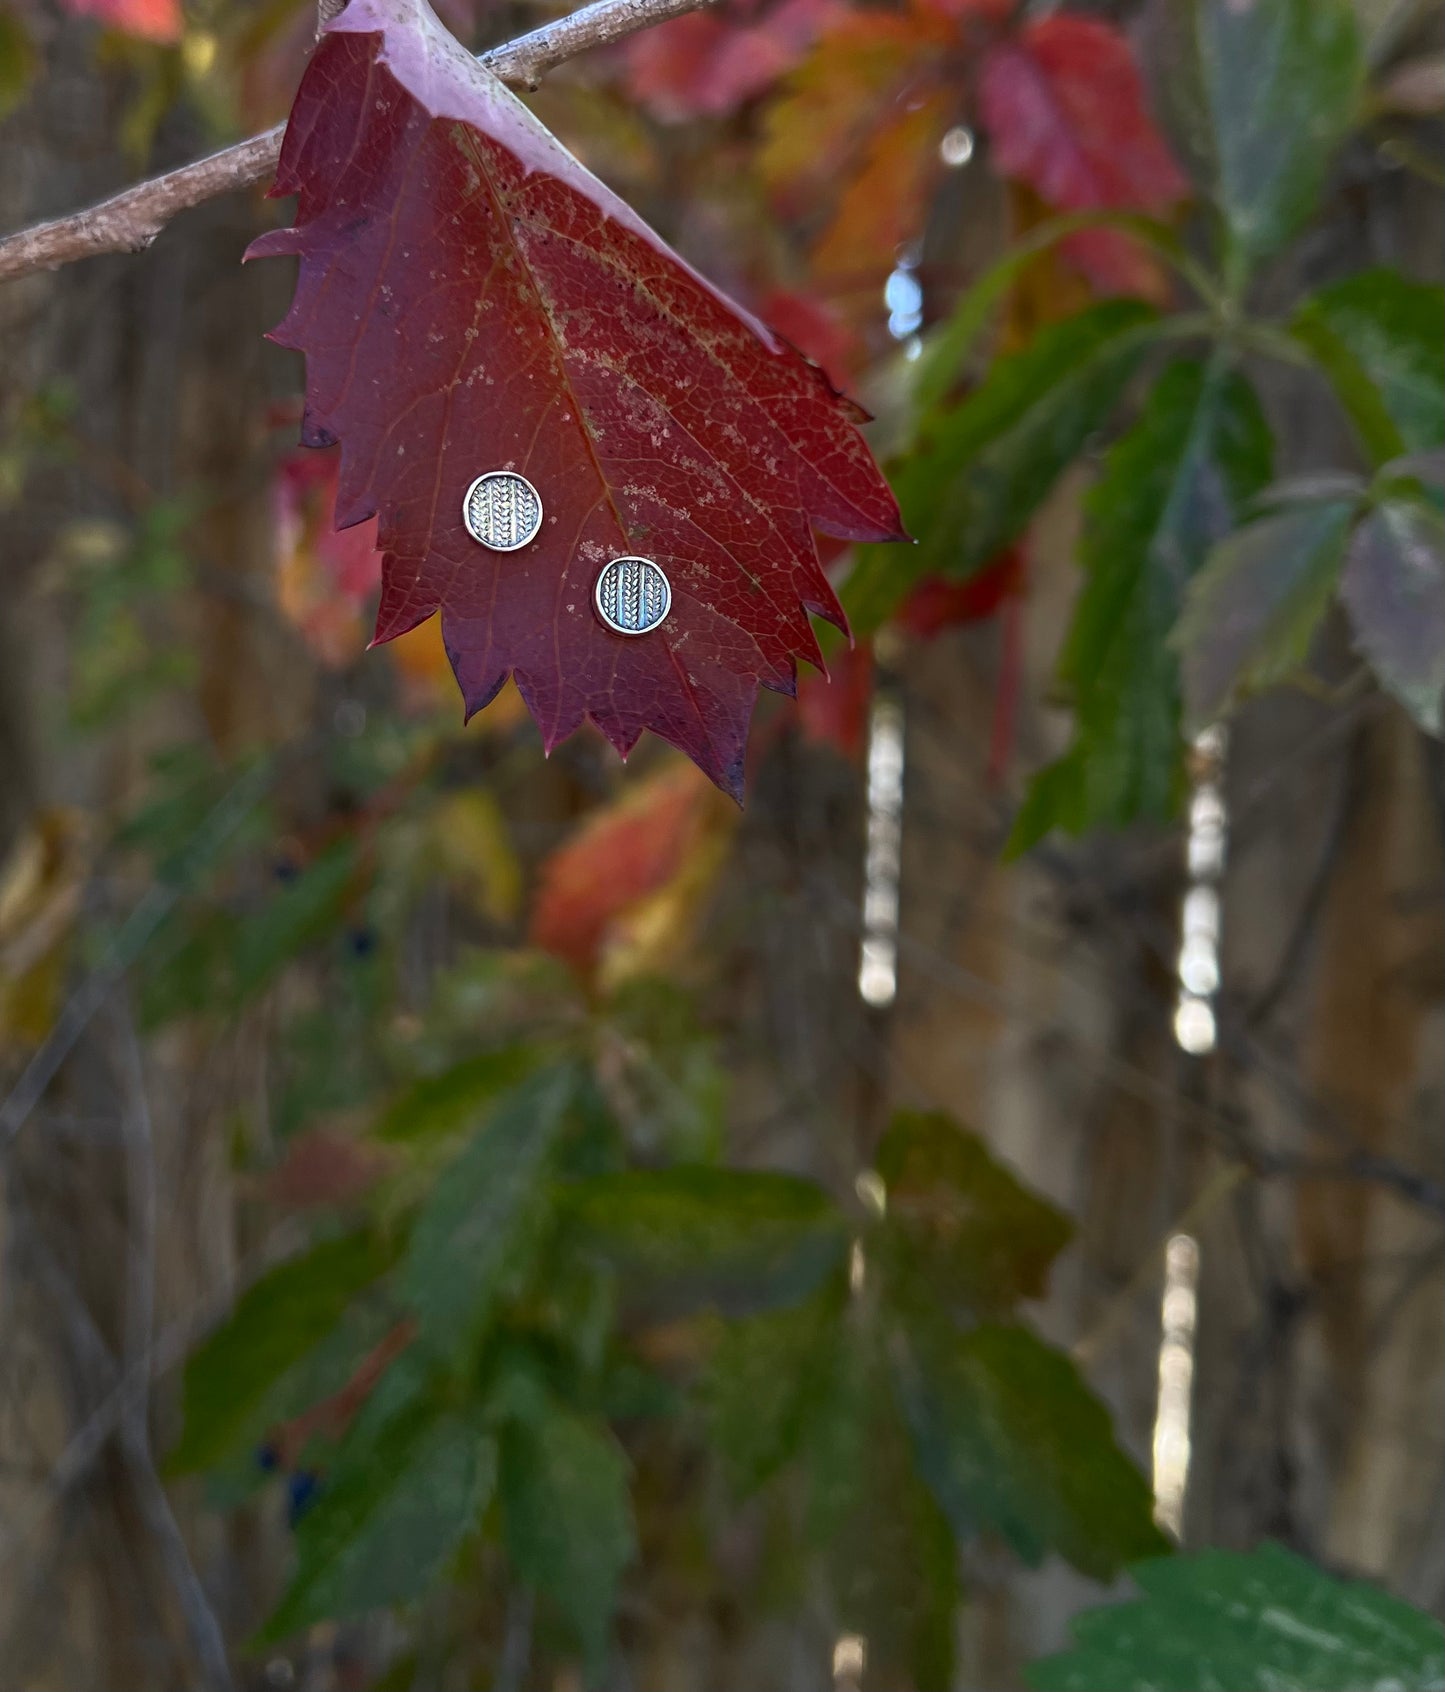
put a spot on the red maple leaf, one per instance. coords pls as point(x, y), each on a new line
point(470, 299)
point(1064, 104)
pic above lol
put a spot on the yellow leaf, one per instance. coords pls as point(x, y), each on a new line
point(40, 888)
point(476, 852)
point(859, 75)
point(884, 204)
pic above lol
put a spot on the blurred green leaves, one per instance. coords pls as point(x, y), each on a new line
point(478, 1233)
point(567, 1516)
point(1282, 82)
point(1170, 488)
point(914, 1411)
point(1259, 1621)
point(700, 1236)
point(126, 649)
point(1013, 1443)
point(761, 1381)
point(1380, 338)
point(886, 1546)
point(1394, 591)
point(1253, 611)
point(390, 1514)
point(302, 911)
point(920, 1412)
point(985, 466)
point(235, 1381)
point(967, 1228)
point(438, 1107)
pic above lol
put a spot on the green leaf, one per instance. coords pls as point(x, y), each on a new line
point(196, 817)
point(1252, 612)
point(948, 346)
point(1394, 591)
point(762, 1385)
point(301, 912)
point(390, 1514)
point(183, 971)
point(980, 1239)
point(1282, 81)
point(567, 1517)
point(1171, 487)
point(439, 1106)
point(1012, 1442)
point(694, 1236)
point(987, 465)
point(677, 1087)
point(1381, 341)
point(477, 1236)
point(1258, 1621)
point(888, 1550)
point(231, 1379)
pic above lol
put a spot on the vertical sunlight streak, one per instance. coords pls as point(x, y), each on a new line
point(1196, 1031)
point(1176, 1382)
point(882, 863)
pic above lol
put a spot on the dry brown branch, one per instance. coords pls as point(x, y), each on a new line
point(129, 221)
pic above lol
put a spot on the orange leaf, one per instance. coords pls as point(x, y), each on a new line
point(1053, 286)
point(324, 576)
point(884, 204)
point(860, 73)
point(620, 857)
point(148, 20)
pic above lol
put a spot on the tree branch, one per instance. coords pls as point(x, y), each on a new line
point(129, 221)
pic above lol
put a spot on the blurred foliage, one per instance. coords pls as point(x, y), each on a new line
point(544, 1335)
point(1266, 1621)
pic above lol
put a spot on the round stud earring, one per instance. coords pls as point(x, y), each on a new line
point(502, 511)
point(632, 596)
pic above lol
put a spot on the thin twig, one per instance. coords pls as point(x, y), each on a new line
point(167, 1349)
point(149, 912)
point(204, 1630)
point(129, 221)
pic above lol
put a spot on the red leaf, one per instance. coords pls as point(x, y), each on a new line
point(149, 20)
point(619, 856)
point(331, 1417)
point(834, 708)
point(708, 63)
point(1064, 104)
point(937, 603)
point(324, 578)
point(471, 299)
point(817, 331)
point(990, 11)
point(324, 1167)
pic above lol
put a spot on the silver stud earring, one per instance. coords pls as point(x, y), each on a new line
point(502, 510)
point(632, 596)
